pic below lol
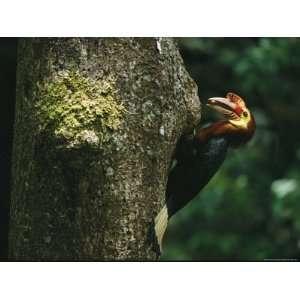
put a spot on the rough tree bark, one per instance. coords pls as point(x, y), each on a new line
point(97, 121)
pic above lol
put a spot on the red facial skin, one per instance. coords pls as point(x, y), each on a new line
point(238, 110)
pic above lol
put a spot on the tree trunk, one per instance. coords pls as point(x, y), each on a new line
point(97, 121)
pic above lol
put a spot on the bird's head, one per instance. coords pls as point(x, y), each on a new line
point(233, 108)
point(239, 118)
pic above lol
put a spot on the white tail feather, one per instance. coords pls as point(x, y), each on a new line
point(161, 222)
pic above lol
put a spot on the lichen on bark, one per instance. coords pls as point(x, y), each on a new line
point(78, 109)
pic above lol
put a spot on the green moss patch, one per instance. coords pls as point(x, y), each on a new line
point(78, 109)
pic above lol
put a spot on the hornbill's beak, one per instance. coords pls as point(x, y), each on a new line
point(225, 106)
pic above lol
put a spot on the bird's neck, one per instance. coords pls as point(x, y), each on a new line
point(234, 135)
point(220, 128)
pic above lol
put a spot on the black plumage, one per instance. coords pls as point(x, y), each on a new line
point(193, 170)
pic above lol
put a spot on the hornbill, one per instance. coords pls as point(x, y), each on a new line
point(198, 156)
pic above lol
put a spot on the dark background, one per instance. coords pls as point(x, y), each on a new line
point(251, 209)
point(8, 62)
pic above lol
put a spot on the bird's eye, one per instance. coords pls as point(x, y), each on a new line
point(245, 114)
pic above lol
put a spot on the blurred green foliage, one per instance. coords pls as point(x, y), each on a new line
point(251, 209)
